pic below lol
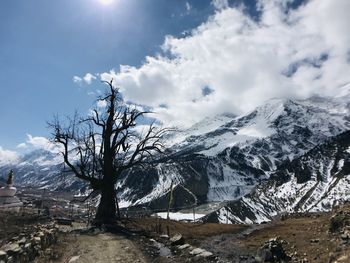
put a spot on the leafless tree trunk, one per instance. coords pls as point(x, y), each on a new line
point(100, 147)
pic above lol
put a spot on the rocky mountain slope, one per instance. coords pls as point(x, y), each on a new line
point(227, 161)
point(316, 181)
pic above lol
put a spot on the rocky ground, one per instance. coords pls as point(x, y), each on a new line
point(93, 247)
point(323, 238)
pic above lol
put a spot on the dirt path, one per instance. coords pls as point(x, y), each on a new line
point(101, 247)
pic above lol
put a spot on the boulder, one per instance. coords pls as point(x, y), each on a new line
point(36, 240)
point(205, 254)
point(339, 220)
point(12, 248)
point(197, 251)
point(3, 255)
point(272, 251)
point(177, 240)
point(184, 246)
point(201, 253)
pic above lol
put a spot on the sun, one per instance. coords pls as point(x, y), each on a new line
point(106, 2)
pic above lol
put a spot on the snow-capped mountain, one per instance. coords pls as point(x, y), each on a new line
point(314, 182)
point(217, 159)
point(228, 161)
point(41, 168)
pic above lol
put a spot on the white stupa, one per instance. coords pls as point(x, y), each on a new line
point(8, 200)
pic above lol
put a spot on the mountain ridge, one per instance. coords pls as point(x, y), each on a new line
point(217, 159)
point(314, 182)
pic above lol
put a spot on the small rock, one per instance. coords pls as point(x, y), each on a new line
point(205, 254)
point(73, 259)
point(343, 259)
point(197, 251)
point(184, 246)
point(27, 246)
point(177, 240)
point(22, 241)
point(36, 240)
point(40, 234)
point(344, 236)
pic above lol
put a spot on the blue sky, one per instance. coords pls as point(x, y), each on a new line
point(184, 59)
point(45, 43)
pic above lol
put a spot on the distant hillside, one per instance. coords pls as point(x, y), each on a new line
point(316, 181)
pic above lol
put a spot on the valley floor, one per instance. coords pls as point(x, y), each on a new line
point(320, 238)
point(305, 237)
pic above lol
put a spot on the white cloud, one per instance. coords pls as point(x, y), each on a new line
point(77, 79)
point(22, 145)
point(220, 4)
point(8, 157)
point(243, 61)
point(38, 142)
point(188, 6)
point(88, 78)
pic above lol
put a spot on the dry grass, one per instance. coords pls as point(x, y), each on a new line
point(188, 230)
point(307, 236)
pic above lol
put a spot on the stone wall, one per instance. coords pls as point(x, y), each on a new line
point(28, 244)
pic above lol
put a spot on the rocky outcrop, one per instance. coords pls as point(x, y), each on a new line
point(177, 240)
point(272, 251)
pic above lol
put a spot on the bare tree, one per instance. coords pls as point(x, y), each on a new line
point(100, 147)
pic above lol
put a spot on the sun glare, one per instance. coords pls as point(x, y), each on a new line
point(106, 2)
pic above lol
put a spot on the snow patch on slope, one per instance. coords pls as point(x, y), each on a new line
point(230, 186)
